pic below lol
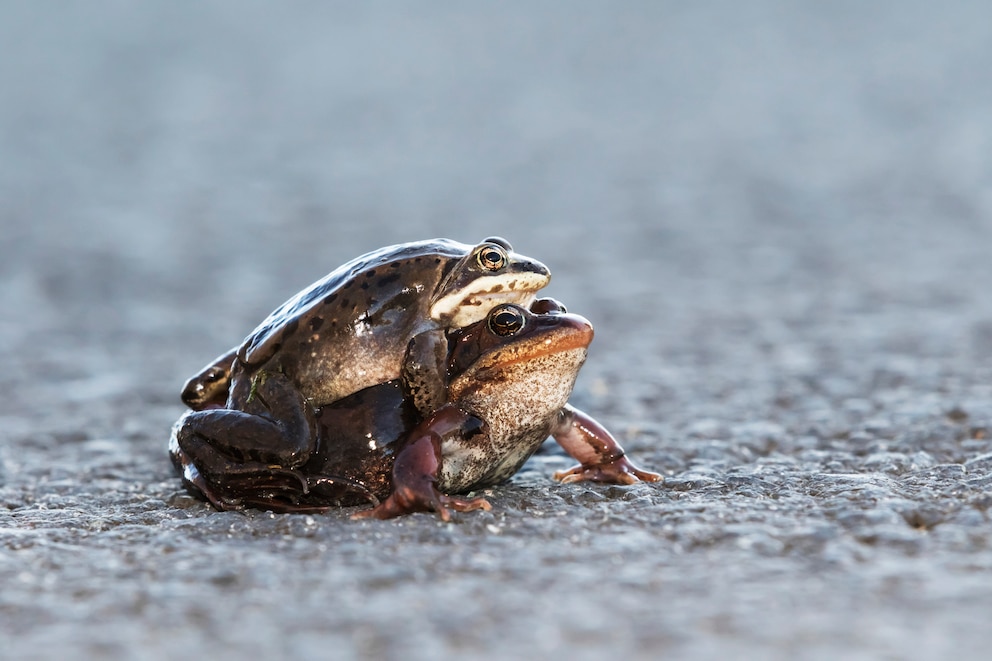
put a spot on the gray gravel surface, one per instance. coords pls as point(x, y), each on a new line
point(778, 215)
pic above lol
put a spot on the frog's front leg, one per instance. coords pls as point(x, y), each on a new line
point(208, 388)
point(424, 371)
point(601, 459)
point(415, 471)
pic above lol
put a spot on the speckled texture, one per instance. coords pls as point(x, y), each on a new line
point(778, 216)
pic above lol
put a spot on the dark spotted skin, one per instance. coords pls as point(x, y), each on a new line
point(351, 329)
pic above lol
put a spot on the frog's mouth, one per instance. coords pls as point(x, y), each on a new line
point(471, 304)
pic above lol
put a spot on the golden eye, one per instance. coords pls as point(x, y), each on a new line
point(506, 320)
point(491, 258)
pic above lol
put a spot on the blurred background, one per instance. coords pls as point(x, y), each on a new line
point(777, 214)
point(171, 172)
point(203, 161)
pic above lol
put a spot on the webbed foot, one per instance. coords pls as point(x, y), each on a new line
point(601, 457)
point(408, 501)
point(617, 471)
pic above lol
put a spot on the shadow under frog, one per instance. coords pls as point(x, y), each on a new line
point(509, 377)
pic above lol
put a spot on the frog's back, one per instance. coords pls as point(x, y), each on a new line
point(353, 325)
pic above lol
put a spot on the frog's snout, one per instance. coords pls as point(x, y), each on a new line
point(540, 269)
point(576, 328)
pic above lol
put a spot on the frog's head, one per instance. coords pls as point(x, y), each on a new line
point(488, 275)
point(516, 360)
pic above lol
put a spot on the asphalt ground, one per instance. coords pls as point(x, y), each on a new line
point(777, 215)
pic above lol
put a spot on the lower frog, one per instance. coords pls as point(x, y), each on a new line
point(509, 377)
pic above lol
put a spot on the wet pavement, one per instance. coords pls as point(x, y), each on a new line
point(777, 216)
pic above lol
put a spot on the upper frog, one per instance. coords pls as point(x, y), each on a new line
point(507, 381)
point(364, 321)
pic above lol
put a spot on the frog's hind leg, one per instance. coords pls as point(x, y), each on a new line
point(277, 426)
point(232, 485)
point(209, 475)
point(323, 492)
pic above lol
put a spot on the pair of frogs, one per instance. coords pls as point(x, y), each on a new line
point(407, 375)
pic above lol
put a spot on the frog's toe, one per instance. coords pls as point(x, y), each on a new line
point(387, 509)
point(400, 503)
point(618, 471)
point(461, 505)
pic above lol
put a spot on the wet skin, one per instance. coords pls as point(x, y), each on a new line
point(509, 379)
point(379, 317)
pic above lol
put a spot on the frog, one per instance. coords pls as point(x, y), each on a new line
point(353, 328)
point(508, 380)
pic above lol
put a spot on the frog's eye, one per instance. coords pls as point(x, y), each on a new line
point(491, 257)
point(506, 320)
